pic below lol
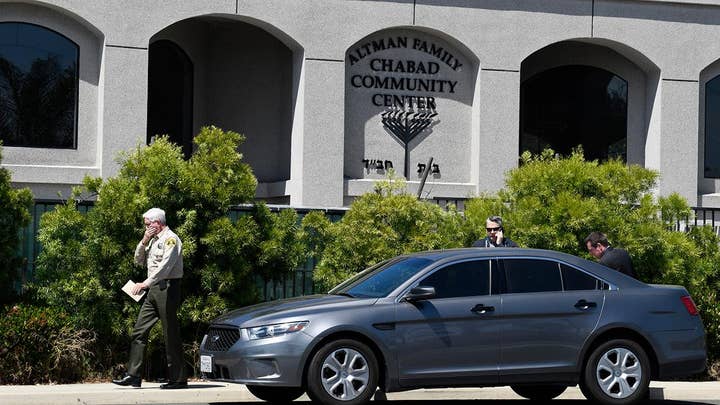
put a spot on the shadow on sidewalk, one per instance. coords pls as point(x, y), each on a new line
point(200, 386)
point(190, 386)
point(507, 401)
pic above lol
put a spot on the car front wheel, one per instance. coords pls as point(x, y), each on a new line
point(617, 373)
point(276, 395)
point(343, 372)
point(539, 392)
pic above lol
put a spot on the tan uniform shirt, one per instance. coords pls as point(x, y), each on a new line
point(162, 256)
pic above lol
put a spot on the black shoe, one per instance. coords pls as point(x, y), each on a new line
point(129, 380)
point(174, 385)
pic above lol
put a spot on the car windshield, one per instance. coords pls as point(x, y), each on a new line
point(379, 280)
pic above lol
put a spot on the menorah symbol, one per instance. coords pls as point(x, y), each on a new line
point(406, 125)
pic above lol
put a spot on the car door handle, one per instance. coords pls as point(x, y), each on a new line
point(481, 309)
point(582, 304)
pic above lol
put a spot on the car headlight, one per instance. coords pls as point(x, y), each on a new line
point(278, 329)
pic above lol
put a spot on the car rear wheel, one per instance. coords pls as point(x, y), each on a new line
point(343, 372)
point(617, 373)
point(276, 395)
point(539, 392)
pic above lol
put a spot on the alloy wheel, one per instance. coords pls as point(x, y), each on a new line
point(619, 373)
point(345, 374)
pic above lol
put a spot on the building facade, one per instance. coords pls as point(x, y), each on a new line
point(331, 94)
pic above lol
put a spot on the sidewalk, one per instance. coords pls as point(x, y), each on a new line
point(207, 392)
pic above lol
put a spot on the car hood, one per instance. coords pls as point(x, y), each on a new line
point(298, 306)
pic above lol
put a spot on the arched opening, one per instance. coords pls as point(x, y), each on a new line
point(170, 94)
point(573, 105)
point(709, 136)
point(712, 128)
point(589, 87)
point(235, 73)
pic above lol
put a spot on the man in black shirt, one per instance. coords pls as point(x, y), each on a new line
point(495, 236)
point(619, 259)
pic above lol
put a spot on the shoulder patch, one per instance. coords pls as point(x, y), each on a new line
point(170, 242)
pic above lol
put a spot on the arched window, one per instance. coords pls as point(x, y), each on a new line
point(38, 87)
point(712, 128)
point(568, 106)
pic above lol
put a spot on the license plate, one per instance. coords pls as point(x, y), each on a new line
point(206, 364)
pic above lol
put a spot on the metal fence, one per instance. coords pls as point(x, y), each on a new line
point(299, 282)
point(30, 247)
point(444, 202)
point(701, 217)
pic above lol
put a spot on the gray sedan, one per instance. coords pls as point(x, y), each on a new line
point(538, 321)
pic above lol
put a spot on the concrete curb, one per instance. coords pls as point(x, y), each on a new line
point(108, 393)
point(216, 392)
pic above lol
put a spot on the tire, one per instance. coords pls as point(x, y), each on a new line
point(276, 395)
point(539, 392)
point(343, 372)
point(617, 373)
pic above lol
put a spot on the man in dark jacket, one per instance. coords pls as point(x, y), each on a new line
point(495, 235)
point(619, 259)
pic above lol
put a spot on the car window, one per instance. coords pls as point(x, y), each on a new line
point(532, 275)
point(379, 282)
point(463, 279)
point(361, 276)
point(574, 279)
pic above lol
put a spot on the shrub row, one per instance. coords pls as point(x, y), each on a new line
point(41, 345)
point(76, 305)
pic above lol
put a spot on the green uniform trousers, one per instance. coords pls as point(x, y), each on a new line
point(161, 303)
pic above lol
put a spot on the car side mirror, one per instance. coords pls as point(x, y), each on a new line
point(420, 293)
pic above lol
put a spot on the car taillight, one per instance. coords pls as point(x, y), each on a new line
point(689, 305)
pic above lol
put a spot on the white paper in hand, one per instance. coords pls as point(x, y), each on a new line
point(128, 290)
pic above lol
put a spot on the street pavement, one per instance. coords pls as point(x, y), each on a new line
point(202, 392)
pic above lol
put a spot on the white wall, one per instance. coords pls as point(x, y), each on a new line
point(669, 42)
point(36, 165)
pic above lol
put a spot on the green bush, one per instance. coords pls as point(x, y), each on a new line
point(15, 207)
point(40, 345)
point(553, 203)
point(549, 202)
point(696, 268)
point(86, 258)
point(379, 225)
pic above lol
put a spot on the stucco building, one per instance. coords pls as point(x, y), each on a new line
point(331, 93)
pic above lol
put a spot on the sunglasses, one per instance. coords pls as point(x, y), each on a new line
point(497, 229)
